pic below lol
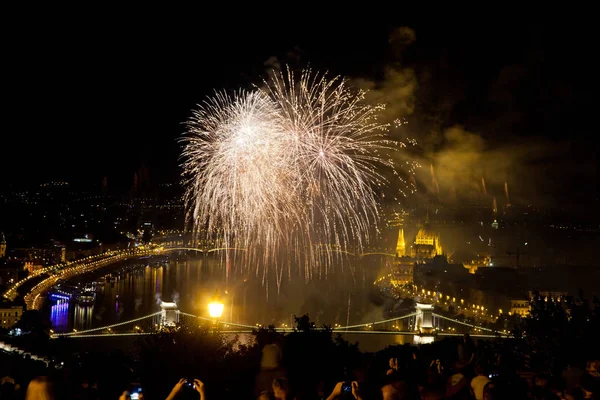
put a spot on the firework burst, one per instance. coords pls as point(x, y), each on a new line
point(289, 172)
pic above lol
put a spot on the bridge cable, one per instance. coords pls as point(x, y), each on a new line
point(465, 323)
point(108, 326)
point(375, 323)
point(220, 322)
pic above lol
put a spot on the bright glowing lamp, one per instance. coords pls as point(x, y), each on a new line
point(215, 307)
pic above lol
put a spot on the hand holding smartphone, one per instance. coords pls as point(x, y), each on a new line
point(347, 387)
point(134, 392)
point(189, 383)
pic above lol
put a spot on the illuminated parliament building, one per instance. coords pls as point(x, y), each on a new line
point(426, 246)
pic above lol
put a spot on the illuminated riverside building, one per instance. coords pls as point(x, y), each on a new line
point(2, 245)
point(38, 256)
point(403, 271)
point(32, 267)
point(474, 264)
point(519, 307)
point(426, 244)
point(9, 315)
point(522, 306)
point(401, 244)
point(426, 247)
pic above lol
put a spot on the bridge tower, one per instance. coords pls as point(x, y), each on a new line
point(169, 315)
point(425, 332)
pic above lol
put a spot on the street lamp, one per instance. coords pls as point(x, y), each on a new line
point(215, 307)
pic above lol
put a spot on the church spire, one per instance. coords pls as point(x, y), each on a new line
point(401, 245)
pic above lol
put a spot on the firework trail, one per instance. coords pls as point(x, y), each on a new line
point(484, 189)
point(495, 207)
point(236, 171)
point(287, 172)
point(434, 182)
point(506, 193)
point(413, 183)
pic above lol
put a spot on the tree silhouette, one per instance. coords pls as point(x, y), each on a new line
point(34, 322)
point(303, 323)
point(311, 355)
point(197, 352)
point(35, 327)
point(560, 332)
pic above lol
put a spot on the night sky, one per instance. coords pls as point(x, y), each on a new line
point(502, 99)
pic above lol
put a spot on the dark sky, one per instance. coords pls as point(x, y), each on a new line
point(104, 95)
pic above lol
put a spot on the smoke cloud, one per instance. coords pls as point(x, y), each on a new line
point(423, 106)
point(465, 157)
point(396, 90)
point(494, 136)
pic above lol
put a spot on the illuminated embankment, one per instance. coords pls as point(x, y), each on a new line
point(34, 299)
point(12, 292)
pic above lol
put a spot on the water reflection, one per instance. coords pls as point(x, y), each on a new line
point(139, 286)
point(59, 315)
point(83, 317)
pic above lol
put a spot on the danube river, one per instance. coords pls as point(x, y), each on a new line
point(135, 288)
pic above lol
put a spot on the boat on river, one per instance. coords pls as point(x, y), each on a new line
point(85, 295)
point(86, 298)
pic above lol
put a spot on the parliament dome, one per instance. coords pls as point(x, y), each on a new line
point(427, 243)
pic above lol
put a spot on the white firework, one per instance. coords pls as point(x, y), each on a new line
point(290, 173)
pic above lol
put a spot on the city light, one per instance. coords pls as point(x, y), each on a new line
point(215, 307)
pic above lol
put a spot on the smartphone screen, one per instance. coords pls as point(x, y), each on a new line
point(134, 393)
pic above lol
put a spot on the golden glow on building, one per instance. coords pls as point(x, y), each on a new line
point(401, 245)
point(426, 237)
point(519, 307)
point(32, 267)
point(427, 244)
point(481, 261)
point(9, 315)
point(404, 271)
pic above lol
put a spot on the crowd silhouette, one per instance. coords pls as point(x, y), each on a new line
point(554, 355)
